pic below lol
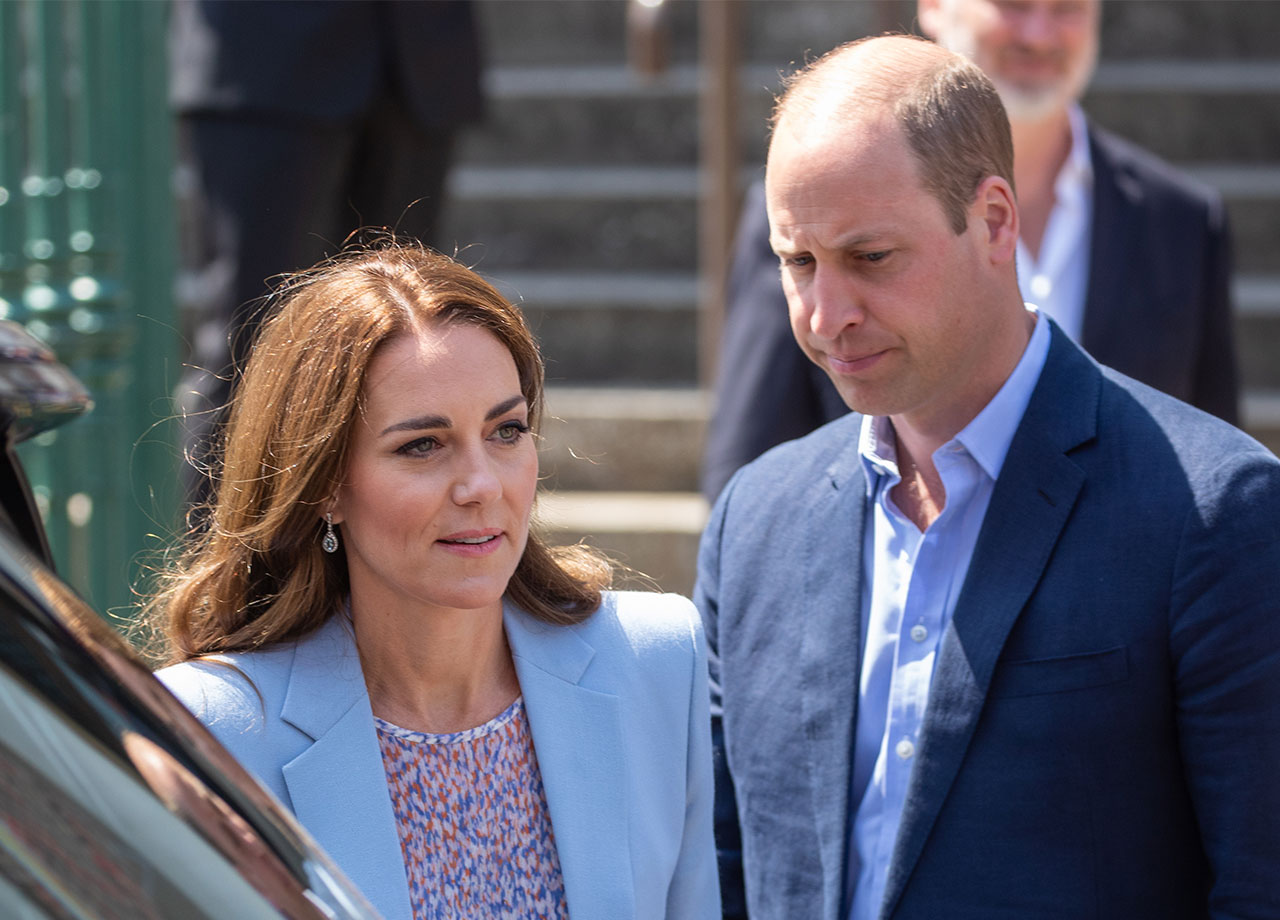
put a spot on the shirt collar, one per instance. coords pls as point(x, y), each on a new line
point(1075, 177)
point(987, 437)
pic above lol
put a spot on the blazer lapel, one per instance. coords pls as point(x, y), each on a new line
point(338, 785)
point(1032, 500)
point(1114, 263)
point(830, 657)
point(577, 736)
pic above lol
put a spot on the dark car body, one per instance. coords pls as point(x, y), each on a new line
point(114, 801)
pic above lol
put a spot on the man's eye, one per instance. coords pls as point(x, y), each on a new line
point(875, 256)
point(796, 261)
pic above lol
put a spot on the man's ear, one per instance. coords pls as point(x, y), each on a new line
point(997, 208)
point(927, 14)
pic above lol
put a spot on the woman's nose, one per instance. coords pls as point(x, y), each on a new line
point(477, 479)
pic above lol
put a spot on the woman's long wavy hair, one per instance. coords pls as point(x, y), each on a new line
point(254, 573)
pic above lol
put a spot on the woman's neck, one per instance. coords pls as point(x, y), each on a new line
point(435, 670)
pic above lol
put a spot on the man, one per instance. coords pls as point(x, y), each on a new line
point(1005, 642)
point(1129, 257)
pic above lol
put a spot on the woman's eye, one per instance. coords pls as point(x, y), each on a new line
point(511, 432)
point(418, 447)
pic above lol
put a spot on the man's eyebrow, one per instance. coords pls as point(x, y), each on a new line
point(424, 422)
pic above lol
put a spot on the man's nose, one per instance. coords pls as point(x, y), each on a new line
point(1036, 24)
point(834, 304)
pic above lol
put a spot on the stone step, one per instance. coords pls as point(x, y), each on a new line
point(610, 438)
point(653, 534)
point(1262, 417)
point(1257, 301)
point(620, 328)
point(604, 113)
point(635, 218)
point(626, 219)
point(659, 124)
point(582, 31)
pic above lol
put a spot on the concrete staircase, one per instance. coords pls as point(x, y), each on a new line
point(578, 197)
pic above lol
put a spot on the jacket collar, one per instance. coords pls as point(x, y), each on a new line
point(577, 736)
point(338, 785)
point(831, 650)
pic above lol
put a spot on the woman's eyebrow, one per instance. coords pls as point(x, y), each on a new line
point(503, 407)
point(423, 422)
point(418, 424)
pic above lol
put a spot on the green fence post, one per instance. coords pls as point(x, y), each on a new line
point(86, 262)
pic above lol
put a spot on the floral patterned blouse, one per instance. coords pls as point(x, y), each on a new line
point(474, 827)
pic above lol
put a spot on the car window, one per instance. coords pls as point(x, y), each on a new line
point(82, 837)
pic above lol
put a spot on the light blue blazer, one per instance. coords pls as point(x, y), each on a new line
point(618, 710)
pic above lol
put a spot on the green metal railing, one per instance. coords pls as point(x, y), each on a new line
point(87, 239)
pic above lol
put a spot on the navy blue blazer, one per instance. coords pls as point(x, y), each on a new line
point(1157, 308)
point(1102, 735)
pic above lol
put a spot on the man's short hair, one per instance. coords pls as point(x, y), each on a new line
point(949, 111)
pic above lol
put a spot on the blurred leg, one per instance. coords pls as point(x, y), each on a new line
point(264, 198)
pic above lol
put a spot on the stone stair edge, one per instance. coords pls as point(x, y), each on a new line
point(485, 182)
point(622, 512)
point(1155, 75)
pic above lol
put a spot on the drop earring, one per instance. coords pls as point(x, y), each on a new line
point(329, 543)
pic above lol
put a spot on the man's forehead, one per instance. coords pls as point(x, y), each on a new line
point(802, 151)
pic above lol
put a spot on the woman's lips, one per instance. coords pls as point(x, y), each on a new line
point(472, 542)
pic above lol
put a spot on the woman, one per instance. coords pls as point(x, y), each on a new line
point(464, 719)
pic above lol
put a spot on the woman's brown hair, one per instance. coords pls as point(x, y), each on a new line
point(254, 574)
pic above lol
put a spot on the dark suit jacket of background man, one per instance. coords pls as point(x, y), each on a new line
point(1157, 308)
point(1102, 734)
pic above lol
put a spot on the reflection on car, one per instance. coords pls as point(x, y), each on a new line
point(114, 801)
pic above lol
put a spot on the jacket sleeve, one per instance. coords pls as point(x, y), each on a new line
point(1225, 643)
point(694, 892)
point(728, 835)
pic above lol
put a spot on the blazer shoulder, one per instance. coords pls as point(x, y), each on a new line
point(1157, 430)
point(232, 694)
point(827, 453)
point(1123, 160)
point(646, 622)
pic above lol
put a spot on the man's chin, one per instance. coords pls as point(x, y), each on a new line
point(1033, 105)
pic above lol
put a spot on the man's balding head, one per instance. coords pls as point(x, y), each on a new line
point(948, 110)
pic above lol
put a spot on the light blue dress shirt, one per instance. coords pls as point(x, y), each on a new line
point(911, 582)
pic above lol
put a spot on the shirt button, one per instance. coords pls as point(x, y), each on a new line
point(905, 749)
point(919, 633)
